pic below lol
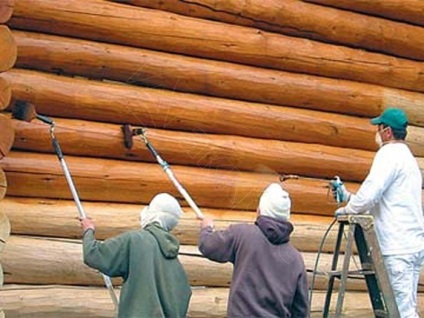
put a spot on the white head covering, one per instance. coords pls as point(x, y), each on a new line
point(275, 202)
point(163, 209)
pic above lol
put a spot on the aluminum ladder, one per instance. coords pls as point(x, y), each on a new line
point(361, 230)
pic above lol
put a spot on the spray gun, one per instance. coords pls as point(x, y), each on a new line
point(336, 188)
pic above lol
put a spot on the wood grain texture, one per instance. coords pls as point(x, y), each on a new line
point(57, 218)
point(8, 49)
point(40, 175)
point(210, 151)
point(162, 31)
point(51, 301)
point(126, 104)
point(175, 72)
point(5, 92)
point(6, 11)
point(7, 135)
point(408, 11)
point(307, 20)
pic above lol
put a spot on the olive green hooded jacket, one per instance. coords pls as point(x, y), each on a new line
point(155, 283)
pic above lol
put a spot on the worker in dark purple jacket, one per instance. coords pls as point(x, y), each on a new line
point(269, 275)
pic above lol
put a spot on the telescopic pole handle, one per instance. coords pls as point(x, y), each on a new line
point(81, 211)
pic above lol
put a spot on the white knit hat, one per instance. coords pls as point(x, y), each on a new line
point(163, 209)
point(275, 202)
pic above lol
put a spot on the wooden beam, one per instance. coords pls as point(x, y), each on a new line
point(62, 264)
point(196, 37)
point(127, 104)
point(409, 11)
point(90, 139)
point(221, 79)
point(40, 175)
point(57, 218)
point(297, 18)
point(51, 301)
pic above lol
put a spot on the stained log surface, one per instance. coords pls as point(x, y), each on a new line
point(7, 135)
point(409, 11)
point(6, 10)
point(5, 92)
point(195, 37)
point(8, 49)
point(306, 20)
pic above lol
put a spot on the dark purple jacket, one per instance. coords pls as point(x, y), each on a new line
point(269, 277)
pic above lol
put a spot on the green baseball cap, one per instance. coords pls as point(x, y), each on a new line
point(392, 117)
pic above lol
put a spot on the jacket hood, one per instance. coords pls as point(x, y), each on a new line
point(276, 230)
point(168, 243)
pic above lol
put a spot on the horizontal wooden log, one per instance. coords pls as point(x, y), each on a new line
point(62, 264)
point(8, 49)
point(221, 79)
point(25, 301)
point(109, 102)
point(409, 11)
point(7, 135)
point(3, 184)
point(6, 10)
point(5, 93)
point(56, 218)
point(195, 37)
point(306, 20)
point(198, 149)
point(40, 175)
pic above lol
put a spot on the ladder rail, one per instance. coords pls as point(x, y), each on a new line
point(361, 230)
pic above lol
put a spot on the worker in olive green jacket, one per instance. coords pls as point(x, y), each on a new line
point(155, 283)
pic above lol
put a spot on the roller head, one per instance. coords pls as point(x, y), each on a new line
point(23, 110)
point(129, 132)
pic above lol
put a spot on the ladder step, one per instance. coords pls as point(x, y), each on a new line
point(351, 274)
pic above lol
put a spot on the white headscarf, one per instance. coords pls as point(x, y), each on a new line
point(275, 202)
point(163, 209)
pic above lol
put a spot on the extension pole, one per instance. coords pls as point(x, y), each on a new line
point(165, 166)
point(81, 211)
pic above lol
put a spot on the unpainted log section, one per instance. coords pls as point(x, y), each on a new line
point(306, 20)
point(59, 220)
point(27, 301)
point(195, 37)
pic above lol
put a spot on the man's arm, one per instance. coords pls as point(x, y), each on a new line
point(109, 257)
point(218, 246)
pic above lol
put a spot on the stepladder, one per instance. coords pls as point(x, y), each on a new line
point(359, 229)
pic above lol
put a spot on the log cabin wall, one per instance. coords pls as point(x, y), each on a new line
point(8, 54)
point(233, 94)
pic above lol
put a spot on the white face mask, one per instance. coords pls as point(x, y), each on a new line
point(378, 139)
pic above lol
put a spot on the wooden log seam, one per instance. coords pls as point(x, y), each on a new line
point(221, 79)
point(178, 34)
point(307, 20)
point(409, 11)
point(126, 104)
